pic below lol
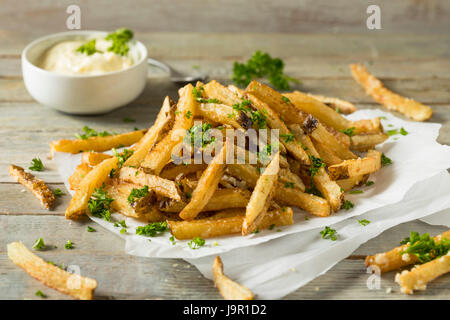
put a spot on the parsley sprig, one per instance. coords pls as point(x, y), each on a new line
point(262, 65)
point(424, 247)
point(36, 165)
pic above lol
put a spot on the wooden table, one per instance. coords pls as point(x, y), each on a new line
point(417, 66)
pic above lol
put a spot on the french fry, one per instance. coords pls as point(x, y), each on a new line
point(225, 223)
point(93, 158)
point(237, 91)
point(368, 126)
point(35, 185)
point(161, 186)
point(287, 176)
point(329, 189)
point(364, 142)
point(215, 90)
point(356, 167)
point(72, 284)
point(160, 155)
point(275, 122)
point(394, 260)
point(163, 121)
point(96, 143)
point(142, 208)
point(80, 172)
point(171, 171)
point(336, 104)
point(222, 199)
point(326, 154)
point(219, 113)
point(261, 196)
point(94, 179)
point(375, 88)
point(229, 289)
point(419, 276)
point(350, 183)
point(206, 187)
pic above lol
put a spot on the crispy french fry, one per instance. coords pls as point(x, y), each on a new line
point(206, 187)
point(419, 276)
point(350, 183)
point(68, 283)
point(288, 177)
point(94, 179)
point(96, 143)
point(356, 167)
point(35, 185)
point(364, 142)
point(225, 223)
point(222, 199)
point(339, 105)
point(160, 155)
point(229, 289)
point(375, 88)
point(93, 158)
point(215, 90)
point(164, 121)
point(161, 186)
point(326, 154)
point(329, 189)
point(261, 196)
point(171, 171)
point(394, 260)
point(368, 126)
point(237, 91)
point(275, 122)
point(142, 208)
point(219, 113)
point(80, 172)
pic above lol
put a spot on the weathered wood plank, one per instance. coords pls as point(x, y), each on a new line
point(228, 16)
point(101, 255)
point(425, 90)
point(232, 46)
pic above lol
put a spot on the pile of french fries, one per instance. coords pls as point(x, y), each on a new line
point(314, 156)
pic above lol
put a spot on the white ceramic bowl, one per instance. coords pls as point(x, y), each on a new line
point(81, 94)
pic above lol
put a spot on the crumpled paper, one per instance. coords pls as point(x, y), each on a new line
point(416, 156)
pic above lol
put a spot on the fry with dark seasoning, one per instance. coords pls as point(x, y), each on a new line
point(35, 185)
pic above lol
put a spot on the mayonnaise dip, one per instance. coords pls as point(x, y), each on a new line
point(64, 58)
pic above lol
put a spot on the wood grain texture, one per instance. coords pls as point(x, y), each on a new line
point(290, 16)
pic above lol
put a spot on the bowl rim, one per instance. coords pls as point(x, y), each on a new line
point(86, 33)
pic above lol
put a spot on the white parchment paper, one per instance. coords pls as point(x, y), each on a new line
point(416, 156)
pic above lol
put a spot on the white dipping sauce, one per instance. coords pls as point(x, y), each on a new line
point(64, 58)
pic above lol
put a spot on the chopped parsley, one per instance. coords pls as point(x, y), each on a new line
point(356, 191)
point(286, 99)
point(243, 106)
point(36, 165)
point(112, 173)
point(259, 118)
point(152, 229)
point(199, 136)
point(99, 204)
point(403, 132)
point(363, 222)
point(385, 161)
point(88, 48)
point(196, 243)
point(119, 40)
point(128, 120)
point(88, 132)
point(262, 65)
point(272, 226)
point(137, 193)
point(39, 293)
point(424, 247)
point(126, 153)
point(58, 192)
point(392, 132)
point(90, 229)
point(188, 114)
point(123, 231)
point(39, 244)
point(172, 240)
point(287, 137)
point(369, 183)
point(256, 231)
point(68, 245)
point(349, 131)
point(289, 185)
point(329, 233)
point(347, 205)
point(316, 164)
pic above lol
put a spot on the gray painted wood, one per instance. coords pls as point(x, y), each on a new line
point(414, 65)
point(287, 16)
